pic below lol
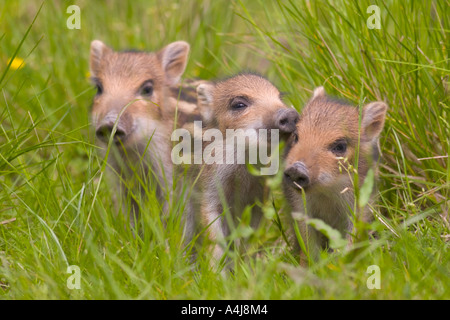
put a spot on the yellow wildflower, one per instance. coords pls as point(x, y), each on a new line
point(17, 63)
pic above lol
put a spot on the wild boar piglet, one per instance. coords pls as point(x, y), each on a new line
point(247, 111)
point(138, 97)
point(318, 155)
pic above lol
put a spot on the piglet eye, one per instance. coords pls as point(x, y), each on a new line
point(99, 89)
point(147, 89)
point(238, 106)
point(239, 103)
point(339, 147)
point(98, 85)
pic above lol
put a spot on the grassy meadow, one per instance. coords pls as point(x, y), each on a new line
point(58, 209)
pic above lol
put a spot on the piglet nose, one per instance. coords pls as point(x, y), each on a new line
point(105, 129)
point(298, 175)
point(286, 120)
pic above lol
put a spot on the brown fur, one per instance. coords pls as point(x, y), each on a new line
point(238, 186)
point(139, 92)
point(314, 162)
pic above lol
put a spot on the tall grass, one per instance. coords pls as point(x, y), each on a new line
point(58, 209)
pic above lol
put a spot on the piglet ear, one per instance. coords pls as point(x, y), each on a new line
point(318, 92)
point(98, 52)
point(205, 93)
point(173, 60)
point(373, 117)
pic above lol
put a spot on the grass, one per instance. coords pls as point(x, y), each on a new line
point(56, 205)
